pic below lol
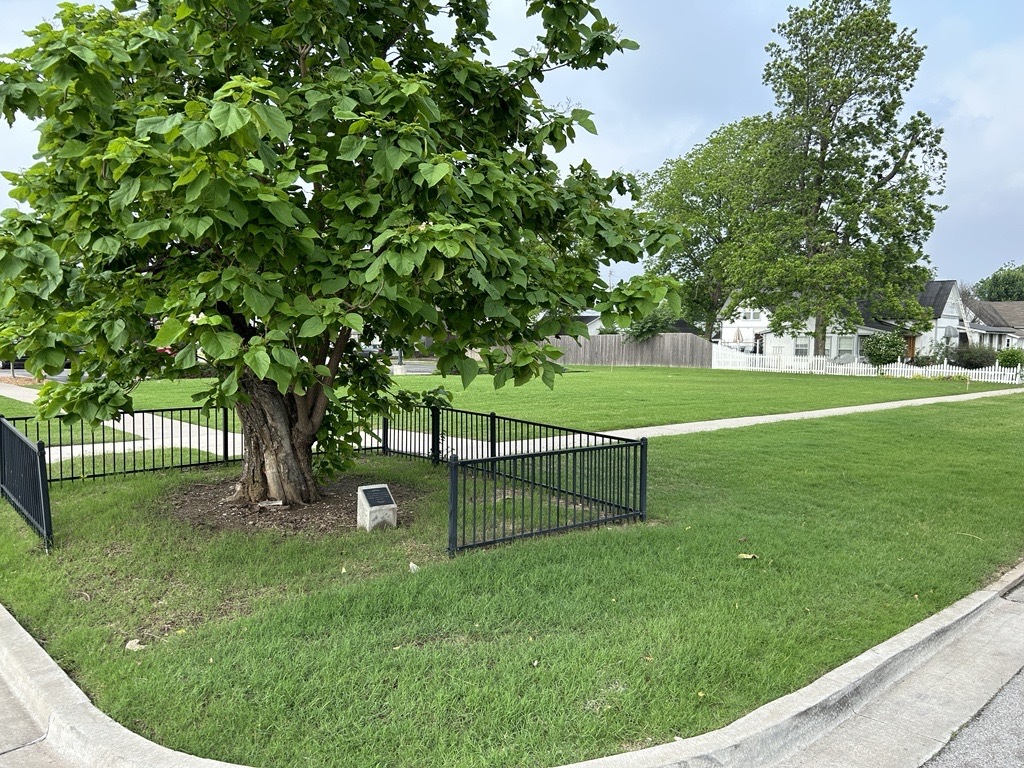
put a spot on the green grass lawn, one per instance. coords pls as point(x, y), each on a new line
point(270, 649)
point(619, 398)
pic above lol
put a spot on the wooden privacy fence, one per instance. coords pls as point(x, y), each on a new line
point(679, 350)
point(731, 359)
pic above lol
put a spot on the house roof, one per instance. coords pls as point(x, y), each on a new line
point(999, 314)
point(935, 295)
point(681, 326)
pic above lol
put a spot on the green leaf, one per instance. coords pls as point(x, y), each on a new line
point(125, 194)
point(220, 345)
point(273, 118)
point(433, 174)
point(396, 157)
point(260, 303)
point(160, 125)
point(258, 360)
point(468, 370)
point(495, 308)
point(85, 54)
point(286, 357)
point(141, 229)
point(313, 326)
point(283, 212)
point(354, 321)
point(169, 332)
point(351, 147)
point(228, 118)
point(198, 134)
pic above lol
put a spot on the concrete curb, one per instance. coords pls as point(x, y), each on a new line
point(784, 726)
point(78, 732)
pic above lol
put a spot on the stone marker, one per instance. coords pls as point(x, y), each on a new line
point(376, 506)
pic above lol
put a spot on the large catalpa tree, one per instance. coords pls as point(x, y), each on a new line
point(253, 184)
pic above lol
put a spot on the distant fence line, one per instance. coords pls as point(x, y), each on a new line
point(678, 350)
point(730, 359)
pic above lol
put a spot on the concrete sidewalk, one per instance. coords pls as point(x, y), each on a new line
point(749, 421)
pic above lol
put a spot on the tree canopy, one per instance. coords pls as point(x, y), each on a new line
point(1005, 284)
point(859, 178)
point(723, 200)
point(253, 184)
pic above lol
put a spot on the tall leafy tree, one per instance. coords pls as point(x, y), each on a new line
point(1005, 284)
point(254, 183)
point(724, 202)
point(864, 176)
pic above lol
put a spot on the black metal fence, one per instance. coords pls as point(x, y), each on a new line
point(509, 478)
point(145, 441)
point(518, 496)
point(23, 480)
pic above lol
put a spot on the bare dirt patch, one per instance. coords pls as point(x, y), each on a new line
point(204, 505)
point(25, 380)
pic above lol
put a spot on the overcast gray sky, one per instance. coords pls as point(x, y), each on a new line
point(699, 66)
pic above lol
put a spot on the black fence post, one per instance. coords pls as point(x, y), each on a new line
point(453, 505)
point(643, 479)
point(227, 436)
point(385, 435)
point(493, 434)
point(435, 434)
point(3, 457)
point(44, 497)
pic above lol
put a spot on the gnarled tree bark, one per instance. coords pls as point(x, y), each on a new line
point(278, 462)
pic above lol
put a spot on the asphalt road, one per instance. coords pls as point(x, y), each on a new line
point(994, 738)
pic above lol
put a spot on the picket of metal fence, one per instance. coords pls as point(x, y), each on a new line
point(509, 478)
point(23, 479)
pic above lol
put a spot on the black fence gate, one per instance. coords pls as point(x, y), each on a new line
point(23, 479)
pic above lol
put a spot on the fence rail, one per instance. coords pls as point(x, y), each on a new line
point(550, 478)
point(23, 479)
point(731, 359)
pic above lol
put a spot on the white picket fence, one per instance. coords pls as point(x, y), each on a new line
point(731, 359)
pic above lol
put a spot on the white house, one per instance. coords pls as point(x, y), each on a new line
point(952, 322)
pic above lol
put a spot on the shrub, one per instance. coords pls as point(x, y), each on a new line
point(936, 355)
point(973, 356)
point(1010, 358)
point(884, 348)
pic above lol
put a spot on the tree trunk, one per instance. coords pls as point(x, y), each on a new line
point(278, 461)
point(820, 330)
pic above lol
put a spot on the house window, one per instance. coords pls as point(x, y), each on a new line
point(750, 314)
point(801, 346)
point(847, 345)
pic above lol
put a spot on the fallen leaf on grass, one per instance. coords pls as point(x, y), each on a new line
point(746, 556)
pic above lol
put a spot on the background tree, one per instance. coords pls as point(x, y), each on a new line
point(254, 183)
point(656, 322)
point(1005, 284)
point(723, 201)
point(862, 179)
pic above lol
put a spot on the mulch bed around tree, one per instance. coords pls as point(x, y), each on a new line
point(205, 505)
